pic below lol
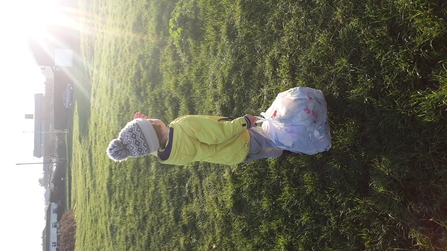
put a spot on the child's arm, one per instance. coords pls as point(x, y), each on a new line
point(209, 130)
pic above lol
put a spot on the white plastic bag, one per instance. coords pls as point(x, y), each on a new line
point(297, 121)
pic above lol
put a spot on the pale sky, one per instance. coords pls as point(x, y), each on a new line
point(23, 209)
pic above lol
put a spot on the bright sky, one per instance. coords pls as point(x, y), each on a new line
point(23, 209)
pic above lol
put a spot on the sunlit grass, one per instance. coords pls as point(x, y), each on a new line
point(382, 67)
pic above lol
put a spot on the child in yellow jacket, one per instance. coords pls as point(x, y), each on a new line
point(193, 138)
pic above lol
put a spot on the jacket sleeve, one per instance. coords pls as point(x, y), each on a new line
point(213, 130)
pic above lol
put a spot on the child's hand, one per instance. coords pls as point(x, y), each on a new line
point(252, 119)
point(139, 115)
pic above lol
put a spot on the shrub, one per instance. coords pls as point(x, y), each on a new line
point(68, 228)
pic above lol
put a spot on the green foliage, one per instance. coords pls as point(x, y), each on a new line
point(381, 66)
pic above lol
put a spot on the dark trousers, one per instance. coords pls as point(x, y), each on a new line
point(261, 146)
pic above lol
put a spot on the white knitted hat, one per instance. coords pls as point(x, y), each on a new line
point(138, 138)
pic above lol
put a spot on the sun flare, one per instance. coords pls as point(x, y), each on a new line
point(30, 17)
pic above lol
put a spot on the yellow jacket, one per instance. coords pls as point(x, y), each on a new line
point(206, 138)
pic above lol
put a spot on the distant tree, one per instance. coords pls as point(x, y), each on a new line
point(58, 191)
point(68, 231)
point(41, 182)
point(57, 194)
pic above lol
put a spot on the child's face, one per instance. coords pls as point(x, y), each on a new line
point(157, 122)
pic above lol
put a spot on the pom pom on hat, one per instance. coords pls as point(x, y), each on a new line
point(117, 151)
point(138, 138)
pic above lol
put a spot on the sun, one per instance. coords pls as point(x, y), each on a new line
point(30, 17)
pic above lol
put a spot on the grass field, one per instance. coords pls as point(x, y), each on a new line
point(382, 66)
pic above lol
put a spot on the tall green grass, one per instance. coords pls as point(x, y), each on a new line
point(380, 64)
